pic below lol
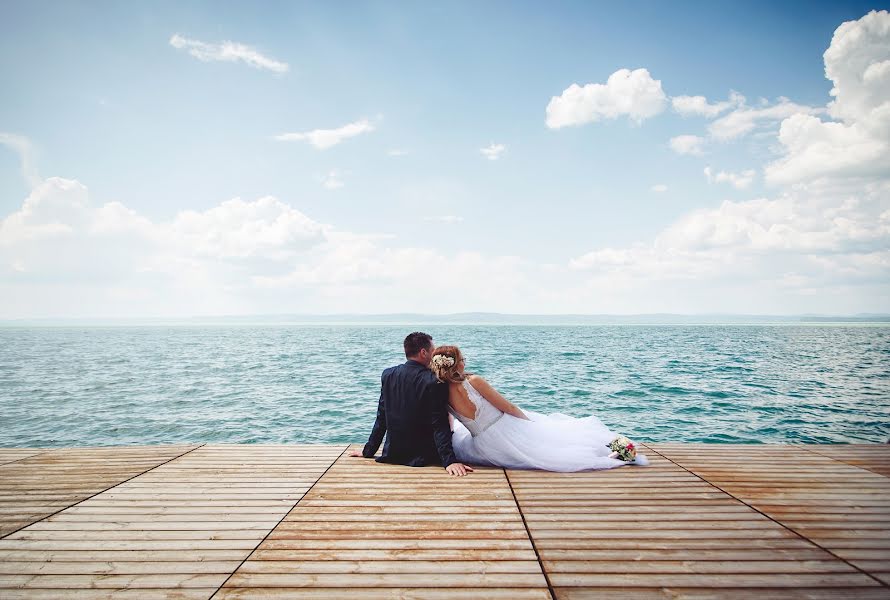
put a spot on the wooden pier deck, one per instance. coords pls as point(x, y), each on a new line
point(306, 521)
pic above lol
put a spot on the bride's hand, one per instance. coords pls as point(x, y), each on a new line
point(458, 469)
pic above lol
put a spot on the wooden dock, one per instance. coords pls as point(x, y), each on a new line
point(306, 521)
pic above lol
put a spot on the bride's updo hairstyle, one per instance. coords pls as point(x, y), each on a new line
point(444, 364)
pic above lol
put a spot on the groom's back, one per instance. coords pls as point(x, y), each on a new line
point(407, 392)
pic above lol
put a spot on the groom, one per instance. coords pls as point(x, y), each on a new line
point(412, 413)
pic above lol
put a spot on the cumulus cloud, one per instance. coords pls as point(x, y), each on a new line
point(804, 235)
point(659, 188)
point(25, 149)
point(493, 151)
point(626, 93)
point(745, 119)
point(327, 138)
point(118, 261)
point(687, 144)
point(228, 52)
point(858, 64)
point(821, 243)
point(62, 254)
point(265, 228)
point(814, 148)
point(737, 180)
point(699, 105)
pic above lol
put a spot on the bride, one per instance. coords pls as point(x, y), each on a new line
point(492, 431)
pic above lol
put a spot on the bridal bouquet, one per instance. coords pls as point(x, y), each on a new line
point(622, 448)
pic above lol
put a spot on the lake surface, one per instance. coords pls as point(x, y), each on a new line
point(283, 383)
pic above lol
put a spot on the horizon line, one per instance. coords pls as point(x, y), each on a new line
point(465, 314)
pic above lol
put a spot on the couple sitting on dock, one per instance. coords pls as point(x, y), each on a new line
point(421, 398)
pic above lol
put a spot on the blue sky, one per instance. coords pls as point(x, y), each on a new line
point(101, 96)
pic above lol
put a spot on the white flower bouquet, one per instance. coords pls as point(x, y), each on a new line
point(622, 448)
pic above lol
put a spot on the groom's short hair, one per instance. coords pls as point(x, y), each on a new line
point(417, 341)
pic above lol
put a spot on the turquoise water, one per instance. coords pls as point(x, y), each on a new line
point(69, 386)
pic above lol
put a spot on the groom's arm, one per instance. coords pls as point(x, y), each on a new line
point(379, 429)
point(438, 401)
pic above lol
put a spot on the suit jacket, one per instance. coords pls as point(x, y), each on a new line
point(412, 412)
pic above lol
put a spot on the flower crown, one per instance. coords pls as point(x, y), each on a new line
point(441, 361)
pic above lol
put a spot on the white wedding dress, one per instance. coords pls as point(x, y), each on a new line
point(554, 442)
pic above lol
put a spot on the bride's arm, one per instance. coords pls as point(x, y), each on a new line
point(495, 398)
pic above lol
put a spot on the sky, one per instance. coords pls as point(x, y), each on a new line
point(180, 159)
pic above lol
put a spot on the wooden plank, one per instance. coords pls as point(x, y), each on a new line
point(127, 537)
point(674, 592)
point(874, 457)
point(381, 593)
point(8, 455)
point(728, 521)
point(602, 533)
point(814, 491)
point(714, 580)
point(48, 481)
point(670, 592)
point(372, 543)
point(108, 594)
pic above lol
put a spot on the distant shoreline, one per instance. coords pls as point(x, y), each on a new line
point(480, 319)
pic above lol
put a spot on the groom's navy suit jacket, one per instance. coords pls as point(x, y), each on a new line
point(413, 414)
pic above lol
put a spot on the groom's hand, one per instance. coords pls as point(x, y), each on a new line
point(458, 469)
point(357, 453)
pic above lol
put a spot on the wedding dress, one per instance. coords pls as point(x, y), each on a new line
point(554, 442)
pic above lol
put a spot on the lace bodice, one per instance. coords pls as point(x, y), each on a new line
point(486, 413)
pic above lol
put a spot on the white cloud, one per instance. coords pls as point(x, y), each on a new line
point(327, 138)
point(493, 151)
point(699, 105)
point(814, 148)
point(228, 52)
point(807, 235)
point(59, 234)
point(61, 254)
point(746, 119)
point(820, 244)
point(397, 152)
point(858, 63)
point(737, 180)
point(660, 188)
point(687, 144)
point(626, 93)
point(25, 150)
point(266, 229)
point(332, 181)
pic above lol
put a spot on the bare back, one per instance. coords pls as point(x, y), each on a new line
point(460, 401)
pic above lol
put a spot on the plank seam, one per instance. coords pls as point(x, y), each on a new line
point(30, 456)
point(801, 536)
point(531, 539)
point(843, 462)
point(101, 491)
point(268, 533)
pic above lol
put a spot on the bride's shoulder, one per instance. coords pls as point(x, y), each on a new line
point(476, 381)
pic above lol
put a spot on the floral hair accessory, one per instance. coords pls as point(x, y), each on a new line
point(440, 360)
